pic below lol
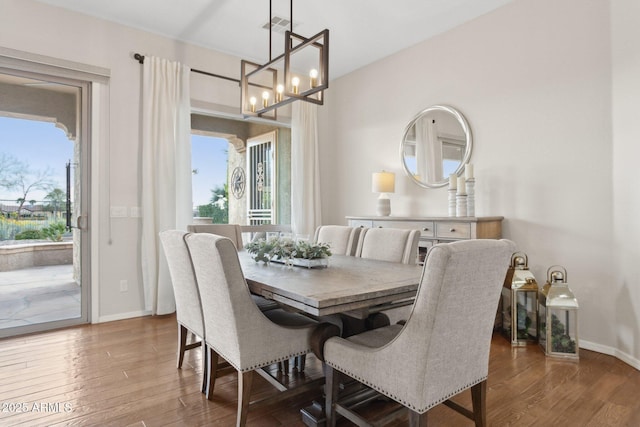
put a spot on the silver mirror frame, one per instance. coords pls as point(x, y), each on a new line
point(468, 137)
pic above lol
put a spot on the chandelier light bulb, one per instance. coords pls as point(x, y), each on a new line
point(295, 82)
point(265, 99)
point(313, 74)
point(279, 92)
point(253, 101)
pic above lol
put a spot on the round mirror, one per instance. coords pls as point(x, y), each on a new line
point(436, 143)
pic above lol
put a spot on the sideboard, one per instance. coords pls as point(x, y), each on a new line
point(436, 229)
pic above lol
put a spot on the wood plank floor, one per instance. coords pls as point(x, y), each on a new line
point(123, 374)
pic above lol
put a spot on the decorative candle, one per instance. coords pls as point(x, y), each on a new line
point(468, 170)
point(453, 181)
point(461, 185)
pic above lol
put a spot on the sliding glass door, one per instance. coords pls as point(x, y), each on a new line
point(44, 201)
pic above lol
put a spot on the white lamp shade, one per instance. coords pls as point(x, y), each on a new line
point(383, 182)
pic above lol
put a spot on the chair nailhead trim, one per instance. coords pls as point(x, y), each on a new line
point(399, 400)
point(262, 364)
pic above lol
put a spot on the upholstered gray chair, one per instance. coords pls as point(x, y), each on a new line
point(389, 244)
point(442, 349)
point(235, 329)
point(342, 239)
point(384, 244)
point(232, 232)
point(185, 290)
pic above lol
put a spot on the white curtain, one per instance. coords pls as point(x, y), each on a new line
point(305, 170)
point(428, 151)
point(166, 172)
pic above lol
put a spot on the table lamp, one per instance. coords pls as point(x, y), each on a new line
point(383, 183)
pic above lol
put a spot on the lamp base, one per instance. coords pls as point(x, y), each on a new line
point(384, 207)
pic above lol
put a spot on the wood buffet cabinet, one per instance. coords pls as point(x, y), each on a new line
point(436, 229)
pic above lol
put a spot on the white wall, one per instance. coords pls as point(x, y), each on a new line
point(41, 29)
point(533, 79)
point(624, 288)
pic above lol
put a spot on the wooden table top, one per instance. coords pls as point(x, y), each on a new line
point(347, 284)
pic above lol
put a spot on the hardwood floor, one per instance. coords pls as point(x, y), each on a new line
point(123, 374)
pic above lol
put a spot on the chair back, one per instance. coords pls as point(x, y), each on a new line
point(389, 244)
point(235, 328)
point(342, 239)
point(230, 231)
point(444, 346)
point(185, 289)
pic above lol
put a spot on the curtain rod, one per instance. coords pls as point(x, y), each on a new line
point(140, 58)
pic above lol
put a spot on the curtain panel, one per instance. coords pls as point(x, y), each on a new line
point(305, 169)
point(166, 172)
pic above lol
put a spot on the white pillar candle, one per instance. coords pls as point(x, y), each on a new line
point(461, 185)
point(453, 181)
point(468, 171)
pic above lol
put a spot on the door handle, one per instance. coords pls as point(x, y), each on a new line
point(81, 222)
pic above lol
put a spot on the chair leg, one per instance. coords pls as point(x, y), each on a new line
point(212, 367)
point(245, 380)
point(479, 400)
point(331, 386)
point(205, 367)
point(182, 343)
point(284, 367)
point(417, 420)
point(299, 363)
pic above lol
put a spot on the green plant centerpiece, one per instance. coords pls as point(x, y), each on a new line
point(289, 251)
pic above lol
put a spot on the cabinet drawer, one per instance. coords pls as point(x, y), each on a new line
point(360, 223)
point(453, 230)
point(426, 228)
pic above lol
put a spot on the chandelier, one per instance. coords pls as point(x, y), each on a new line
point(301, 73)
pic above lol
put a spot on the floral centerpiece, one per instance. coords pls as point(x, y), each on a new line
point(288, 251)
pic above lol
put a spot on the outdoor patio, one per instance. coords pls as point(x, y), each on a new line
point(38, 294)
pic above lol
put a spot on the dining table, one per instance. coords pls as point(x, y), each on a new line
point(351, 285)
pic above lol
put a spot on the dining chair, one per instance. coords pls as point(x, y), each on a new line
point(231, 231)
point(342, 239)
point(235, 329)
point(234, 233)
point(389, 244)
point(444, 345)
point(185, 290)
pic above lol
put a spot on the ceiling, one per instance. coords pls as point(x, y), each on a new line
point(361, 31)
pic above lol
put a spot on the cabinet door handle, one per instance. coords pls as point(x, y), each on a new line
point(451, 230)
point(425, 229)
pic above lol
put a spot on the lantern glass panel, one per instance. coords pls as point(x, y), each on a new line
point(542, 313)
point(564, 331)
point(506, 311)
point(526, 306)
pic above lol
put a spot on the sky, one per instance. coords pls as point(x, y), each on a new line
point(41, 145)
point(209, 157)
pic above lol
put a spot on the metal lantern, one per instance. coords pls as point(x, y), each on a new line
point(558, 314)
point(520, 302)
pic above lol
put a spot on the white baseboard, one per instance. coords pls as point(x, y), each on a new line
point(626, 358)
point(122, 316)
